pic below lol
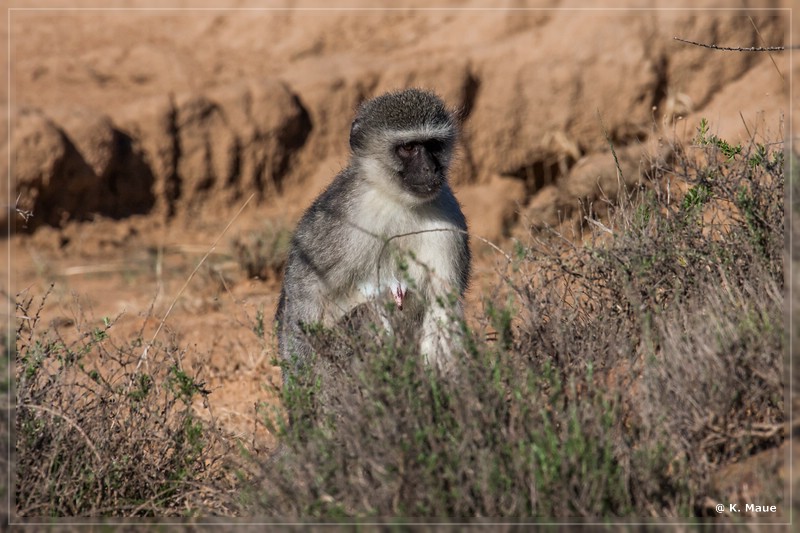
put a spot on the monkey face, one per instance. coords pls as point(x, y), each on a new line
point(422, 167)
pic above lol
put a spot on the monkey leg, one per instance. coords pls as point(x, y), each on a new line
point(441, 340)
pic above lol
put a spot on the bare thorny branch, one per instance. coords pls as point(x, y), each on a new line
point(737, 48)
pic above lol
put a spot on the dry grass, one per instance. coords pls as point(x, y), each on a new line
point(262, 253)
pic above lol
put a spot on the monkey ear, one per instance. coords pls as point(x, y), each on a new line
point(355, 129)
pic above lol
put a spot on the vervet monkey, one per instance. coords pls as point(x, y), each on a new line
point(368, 235)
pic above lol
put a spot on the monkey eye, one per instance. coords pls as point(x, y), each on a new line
point(407, 150)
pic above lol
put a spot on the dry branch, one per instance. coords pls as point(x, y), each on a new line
point(735, 48)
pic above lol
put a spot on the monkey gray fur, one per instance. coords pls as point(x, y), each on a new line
point(343, 254)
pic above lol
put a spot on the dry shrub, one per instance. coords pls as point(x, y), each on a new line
point(262, 253)
point(6, 443)
point(99, 434)
point(620, 374)
point(623, 370)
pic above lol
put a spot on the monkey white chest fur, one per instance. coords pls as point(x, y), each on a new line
point(387, 224)
point(395, 246)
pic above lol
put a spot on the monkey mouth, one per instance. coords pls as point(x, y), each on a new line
point(426, 189)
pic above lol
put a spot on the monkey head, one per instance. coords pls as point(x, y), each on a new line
point(403, 142)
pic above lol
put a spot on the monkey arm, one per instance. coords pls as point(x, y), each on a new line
point(441, 330)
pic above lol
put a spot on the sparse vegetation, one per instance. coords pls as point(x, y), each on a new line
point(99, 435)
point(262, 253)
point(623, 370)
point(606, 377)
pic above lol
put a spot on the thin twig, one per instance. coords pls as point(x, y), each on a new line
point(620, 176)
point(68, 421)
point(734, 48)
point(143, 357)
point(454, 230)
point(770, 55)
point(599, 224)
point(749, 135)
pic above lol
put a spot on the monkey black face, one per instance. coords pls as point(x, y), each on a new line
point(422, 173)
